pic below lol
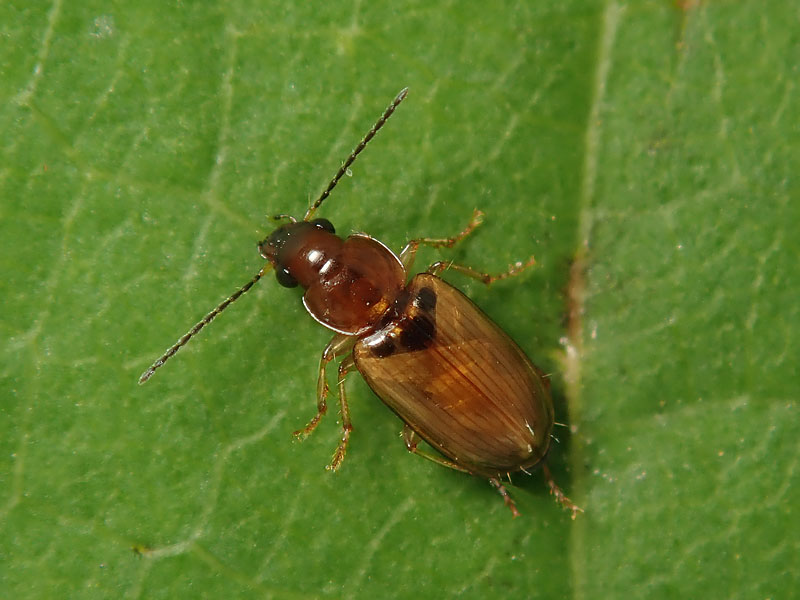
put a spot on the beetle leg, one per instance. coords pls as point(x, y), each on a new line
point(439, 266)
point(561, 498)
point(339, 344)
point(338, 456)
point(411, 439)
point(506, 496)
point(408, 253)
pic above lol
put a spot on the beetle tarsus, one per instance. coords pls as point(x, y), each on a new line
point(440, 266)
point(341, 449)
point(559, 495)
point(322, 408)
point(506, 497)
point(306, 431)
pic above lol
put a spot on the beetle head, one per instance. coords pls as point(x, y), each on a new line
point(295, 248)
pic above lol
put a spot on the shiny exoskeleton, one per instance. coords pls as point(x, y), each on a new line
point(448, 371)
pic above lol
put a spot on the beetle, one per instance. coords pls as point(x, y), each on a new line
point(455, 378)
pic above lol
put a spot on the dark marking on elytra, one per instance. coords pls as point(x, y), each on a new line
point(426, 300)
point(417, 333)
point(385, 347)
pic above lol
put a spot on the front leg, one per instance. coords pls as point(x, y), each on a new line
point(408, 253)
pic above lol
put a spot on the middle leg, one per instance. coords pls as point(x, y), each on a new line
point(409, 252)
point(338, 456)
point(338, 345)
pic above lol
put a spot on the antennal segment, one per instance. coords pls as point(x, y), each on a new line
point(351, 159)
point(205, 321)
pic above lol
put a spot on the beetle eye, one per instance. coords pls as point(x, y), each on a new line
point(323, 224)
point(284, 278)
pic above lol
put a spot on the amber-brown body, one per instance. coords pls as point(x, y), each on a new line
point(448, 371)
point(453, 376)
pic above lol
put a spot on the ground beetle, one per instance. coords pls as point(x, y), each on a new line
point(451, 374)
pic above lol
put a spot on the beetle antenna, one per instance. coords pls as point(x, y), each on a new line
point(202, 323)
point(351, 159)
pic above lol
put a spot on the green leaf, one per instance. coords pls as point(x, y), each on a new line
point(646, 153)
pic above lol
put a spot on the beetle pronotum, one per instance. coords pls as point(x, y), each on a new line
point(449, 372)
